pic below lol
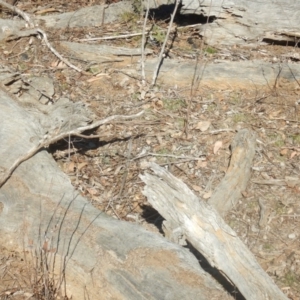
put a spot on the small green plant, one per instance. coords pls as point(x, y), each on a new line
point(239, 118)
point(174, 104)
point(279, 143)
point(105, 160)
point(163, 151)
point(137, 6)
point(22, 66)
point(290, 278)
point(276, 139)
point(232, 223)
point(268, 246)
point(180, 122)
point(135, 96)
point(236, 100)
point(64, 86)
point(136, 38)
point(251, 204)
point(128, 17)
point(211, 107)
point(280, 208)
point(158, 34)
point(94, 69)
point(296, 139)
point(210, 50)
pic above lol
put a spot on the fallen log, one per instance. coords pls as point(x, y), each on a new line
point(230, 189)
point(208, 233)
point(94, 256)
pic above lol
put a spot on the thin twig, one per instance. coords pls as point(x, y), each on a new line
point(293, 74)
point(155, 73)
point(143, 44)
point(59, 56)
point(169, 155)
point(128, 35)
point(111, 37)
point(219, 131)
point(126, 169)
point(189, 101)
point(39, 32)
point(18, 11)
point(47, 140)
point(277, 78)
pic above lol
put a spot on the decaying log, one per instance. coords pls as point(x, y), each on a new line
point(209, 234)
point(102, 258)
point(229, 191)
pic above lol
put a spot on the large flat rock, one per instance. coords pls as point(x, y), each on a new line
point(225, 74)
point(242, 21)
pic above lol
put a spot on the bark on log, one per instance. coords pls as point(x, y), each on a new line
point(106, 258)
point(209, 234)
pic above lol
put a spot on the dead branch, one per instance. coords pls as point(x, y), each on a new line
point(53, 137)
point(229, 191)
point(59, 56)
point(143, 45)
point(39, 32)
point(18, 11)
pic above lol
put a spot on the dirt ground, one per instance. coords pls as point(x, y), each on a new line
point(181, 124)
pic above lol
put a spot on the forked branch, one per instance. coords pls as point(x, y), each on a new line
point(53, 138)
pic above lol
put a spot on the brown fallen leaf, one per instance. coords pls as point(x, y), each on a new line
point(57, 64)
point(158, 104)
point(92, 191)
point(81, 165)
point(201, 164)
point(218, 145)
point(293, 154)
point(69, 167)
point(291, 181)
point(197, 188)
point(203, 125)
point(207, 195)
point(284, 152)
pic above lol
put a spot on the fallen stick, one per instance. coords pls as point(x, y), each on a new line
point(111, 37)
point(40, 33)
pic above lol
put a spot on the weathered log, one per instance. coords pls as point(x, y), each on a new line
point(209, 234)
point(103, 258)
point(230, 189)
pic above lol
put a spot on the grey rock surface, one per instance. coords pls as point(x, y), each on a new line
point(39, 88)
point(100, 53)
point(243, 21)
point(240, 22)
point(224, 73)
point(96, 15)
